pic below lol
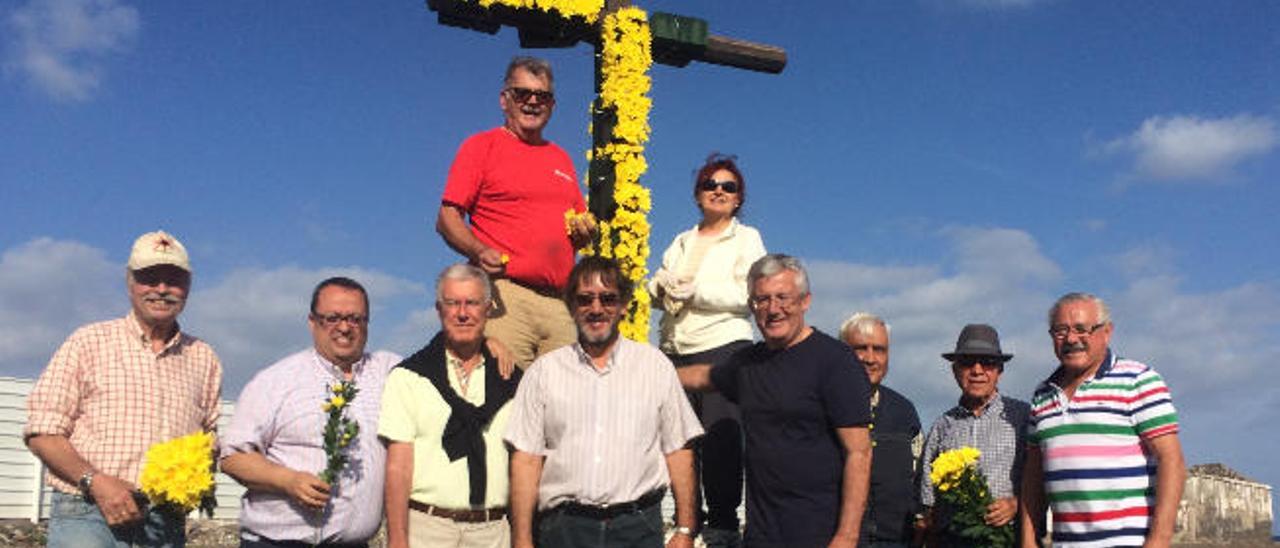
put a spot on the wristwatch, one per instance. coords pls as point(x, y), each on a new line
point(85, 483)
point(682, 530)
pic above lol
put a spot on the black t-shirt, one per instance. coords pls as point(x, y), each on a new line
point(792, 400)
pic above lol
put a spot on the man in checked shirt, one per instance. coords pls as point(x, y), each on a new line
point(112, 390)
point(983, 419)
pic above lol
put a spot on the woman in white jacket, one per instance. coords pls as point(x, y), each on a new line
point(702, 290)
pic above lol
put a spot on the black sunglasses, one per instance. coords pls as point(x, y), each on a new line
point(607, 300)
point(728, 187)
point(522, 95)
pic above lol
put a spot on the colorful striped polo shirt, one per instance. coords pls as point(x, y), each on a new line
point(1099, 477)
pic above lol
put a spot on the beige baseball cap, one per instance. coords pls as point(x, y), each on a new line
point(156, 248)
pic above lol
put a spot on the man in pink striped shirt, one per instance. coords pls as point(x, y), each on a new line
point(111, 391)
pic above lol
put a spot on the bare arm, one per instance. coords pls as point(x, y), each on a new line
point(526, 472)
point(114, 496)
point(695, 378)
point(396, 492)
point(257, 473)
point(857, 479)
point(1032, 500)
point(1171, 474)
point(456, 233)
point(680, 468)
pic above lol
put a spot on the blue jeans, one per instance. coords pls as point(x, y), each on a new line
point(77, 523)
point(641, 529)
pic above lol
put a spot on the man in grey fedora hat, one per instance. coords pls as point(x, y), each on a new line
point(993, 424)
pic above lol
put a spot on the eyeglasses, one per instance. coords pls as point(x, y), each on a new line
point(332, 320)
point(1060, 331)
point(729, 187)
point(785, 301)
point(522, 95)
point(607, 300)
point(987, 362)
point(469, 304)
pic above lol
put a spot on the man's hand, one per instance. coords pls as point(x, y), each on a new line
point(1002, 511)
point(680, 540)
point(506, 360)
point(306, 489)
point(114, 498)
point(582, 229)
point(490, 260)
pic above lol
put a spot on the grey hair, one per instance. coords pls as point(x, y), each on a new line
point(536, 66)
point(462, 272)
point(772, 265)
point(862, 323)
point(1104, 313)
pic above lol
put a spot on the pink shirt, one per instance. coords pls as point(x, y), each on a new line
point(113, 397)
point(280, 415)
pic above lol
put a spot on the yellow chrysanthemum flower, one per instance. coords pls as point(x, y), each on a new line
point(179, 472)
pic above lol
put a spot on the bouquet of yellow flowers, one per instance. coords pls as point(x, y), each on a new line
point(962, 489)
point(339, 430)
point(178, 474)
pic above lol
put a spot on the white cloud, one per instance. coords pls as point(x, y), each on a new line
point(58, 45)
point(1189, 148)
point(254, 317)
point(251, 316)
point(48, 288)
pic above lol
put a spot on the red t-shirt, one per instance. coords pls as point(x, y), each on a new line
point(515, 195)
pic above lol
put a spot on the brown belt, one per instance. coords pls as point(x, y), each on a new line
point(464, 516)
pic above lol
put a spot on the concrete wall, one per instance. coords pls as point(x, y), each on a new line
point(1223, 510)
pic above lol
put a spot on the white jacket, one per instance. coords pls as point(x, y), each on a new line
point(717, 314)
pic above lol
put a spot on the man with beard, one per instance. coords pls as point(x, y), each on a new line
point(516, 188)
point(1103, 442)
point(984, 420)
point(273, 445)
point(111, 391)
point(444, 411)
point(600, 428)
point(806, 406)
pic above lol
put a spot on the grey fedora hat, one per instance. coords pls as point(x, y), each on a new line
point(978, 339)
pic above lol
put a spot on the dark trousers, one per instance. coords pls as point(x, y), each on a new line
point(265, 542)
point(642, 529)
point(718, 461)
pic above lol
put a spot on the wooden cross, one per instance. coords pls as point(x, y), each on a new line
point(677, 40)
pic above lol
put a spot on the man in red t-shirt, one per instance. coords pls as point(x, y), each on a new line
point(515, 188)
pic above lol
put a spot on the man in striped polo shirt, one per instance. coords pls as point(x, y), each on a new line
point(1103, 440)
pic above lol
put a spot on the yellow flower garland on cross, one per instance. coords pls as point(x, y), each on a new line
point(586, 9)
point(625, 60)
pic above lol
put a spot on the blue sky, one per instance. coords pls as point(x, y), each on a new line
point(938, 162)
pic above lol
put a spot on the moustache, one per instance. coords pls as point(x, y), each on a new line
point(1073, 347)
point(162, 297)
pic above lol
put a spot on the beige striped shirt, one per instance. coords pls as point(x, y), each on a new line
point(604, 433)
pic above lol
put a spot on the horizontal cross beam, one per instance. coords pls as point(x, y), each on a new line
point(677, 39)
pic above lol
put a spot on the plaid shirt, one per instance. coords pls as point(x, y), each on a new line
point(113, 397)
point(999, 433)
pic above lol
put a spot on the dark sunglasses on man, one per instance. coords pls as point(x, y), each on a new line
point(522, 95)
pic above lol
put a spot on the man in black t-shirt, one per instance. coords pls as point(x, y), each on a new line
point(805, 404)
point(892, 500)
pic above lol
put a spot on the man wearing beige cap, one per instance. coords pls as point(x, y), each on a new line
point(111, 391)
